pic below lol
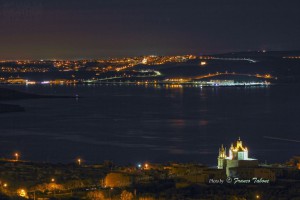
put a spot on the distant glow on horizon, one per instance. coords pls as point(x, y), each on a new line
point(66, 29)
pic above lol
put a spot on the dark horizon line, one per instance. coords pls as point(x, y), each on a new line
point(132, 56)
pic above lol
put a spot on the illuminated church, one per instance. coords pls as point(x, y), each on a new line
point(237, 158)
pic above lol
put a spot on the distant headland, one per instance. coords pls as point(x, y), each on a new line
point(10, 94)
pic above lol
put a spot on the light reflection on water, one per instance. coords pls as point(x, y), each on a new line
point(136, 123)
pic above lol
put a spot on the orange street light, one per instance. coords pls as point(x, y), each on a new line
point(17, 156)
point(146, 166)
point(22, 193)
point(79, 161)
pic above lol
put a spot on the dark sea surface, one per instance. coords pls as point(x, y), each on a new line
point(132, 124)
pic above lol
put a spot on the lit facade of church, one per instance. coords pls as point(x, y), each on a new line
point(237, 158)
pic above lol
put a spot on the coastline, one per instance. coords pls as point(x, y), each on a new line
point(10, 94)
point(8, 108)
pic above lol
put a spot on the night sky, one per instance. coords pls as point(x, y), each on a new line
point(75, 29)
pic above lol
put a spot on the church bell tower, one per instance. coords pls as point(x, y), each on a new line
point(222, 157)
